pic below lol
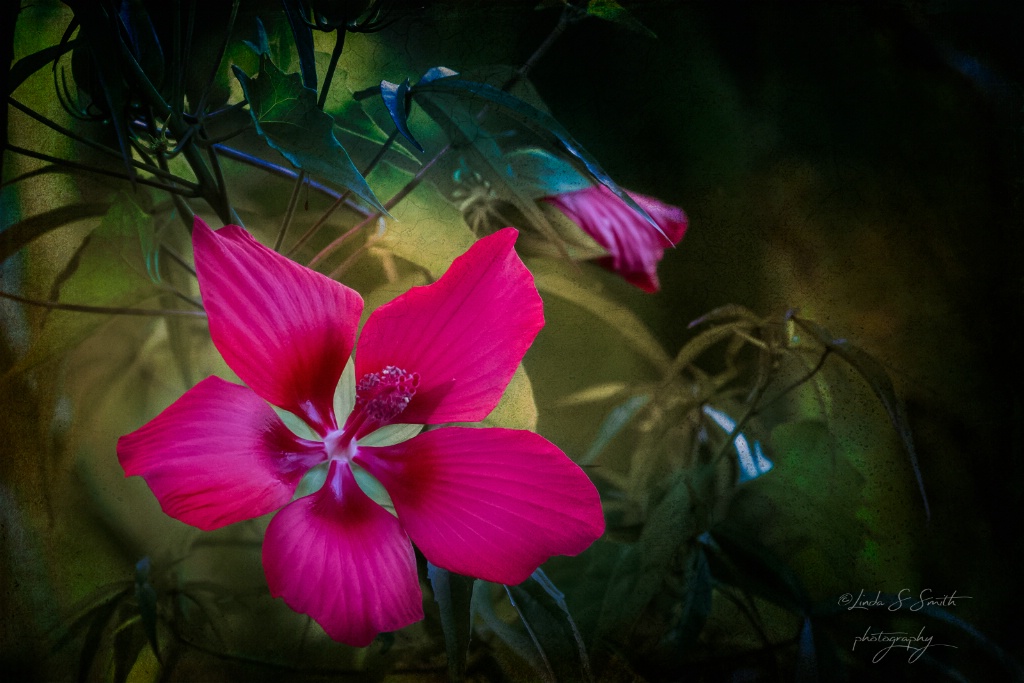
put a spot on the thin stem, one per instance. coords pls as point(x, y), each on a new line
point(283, 172)
point(347, 263)
point(344, 195)
point(290, 211)
point(174, 256)
point(103, 310)
point(339, 45)
point(399, 196)
point(194, 191)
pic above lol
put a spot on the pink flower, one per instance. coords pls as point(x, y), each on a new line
point(634, 246)
point(491, 503)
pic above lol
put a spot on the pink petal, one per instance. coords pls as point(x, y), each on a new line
point(463, 336)
point(287, 331)
point(634, 246)
point(490, 503)
point(343, 560)
point(218, 455)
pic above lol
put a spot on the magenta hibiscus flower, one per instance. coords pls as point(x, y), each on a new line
point(634, 246)
point(491, 503)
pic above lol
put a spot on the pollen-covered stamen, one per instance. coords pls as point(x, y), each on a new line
point(383, 395)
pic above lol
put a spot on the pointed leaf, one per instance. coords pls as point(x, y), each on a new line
point(145, 594)
point(286, 116)
point(538, 173)
point(396, 99)
point(609, 10)
point(262, 44)
point(881, 384)
point(453, 594)
point(539, 121)
point(618, 418)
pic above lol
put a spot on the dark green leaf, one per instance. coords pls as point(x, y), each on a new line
point(881, 384)
point(145, 594)
point(521, 644)
point(29, 64)
point(286, 116)
point(643, 566)
point(753, 567)
point(609, 10)
point(539, 121)
point(90, 647)
point(618, 418)
point(396, 99)
point(538, 173)
point(262, 44)
point(303, 36)
point(542, 580)
point(128, 644)
point(697, 603)
point(453, 594)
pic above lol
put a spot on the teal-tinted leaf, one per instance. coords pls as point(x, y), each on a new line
point(538, 121)
point(697, 602)
point(303, 36)
point(286, 116)
point(538, 173)
point(145, 595)
point(548, 671)
point(522, 645)
point(753, 567)
point(396, 99)
point(128, 644)
point(29, 64)
point(262, 44)
point(542, 580)
point(618, 418)
point(881, 384)
point(609, 10)
point(453, 594)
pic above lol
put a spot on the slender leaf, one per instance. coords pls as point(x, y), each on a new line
point(453, 594)
point(542, 580)
point(697, 602)
point(287, 117)
point(618, 418)
point(145, 595)
point(755, 568)
point(18, 235)
point(609, 10)
point(539, 121)
point(29, 64)
point(881, 384)
point(303, 36)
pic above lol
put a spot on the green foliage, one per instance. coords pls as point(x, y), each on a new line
point(286, 116)
point(453, 593)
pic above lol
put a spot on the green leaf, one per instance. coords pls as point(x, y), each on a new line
point(558, 597)
point(453, 594)
point(303, 36)
point(643, 566)
point(755, 568)
point(286, 116)
point(697, 602)
point(618, 418)
point(108, 272)
point(145, 595)
point(609, 10)
point(881, 384)
point(262, 44)
point(522, 645)
point(539, 121)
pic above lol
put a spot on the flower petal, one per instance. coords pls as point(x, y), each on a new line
point(218, 455)
point(464, 335)
point(634, 247)
point(343, 560)
point(287, 331)
point(490, 503)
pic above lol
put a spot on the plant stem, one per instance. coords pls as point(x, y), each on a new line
point(290, 211)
